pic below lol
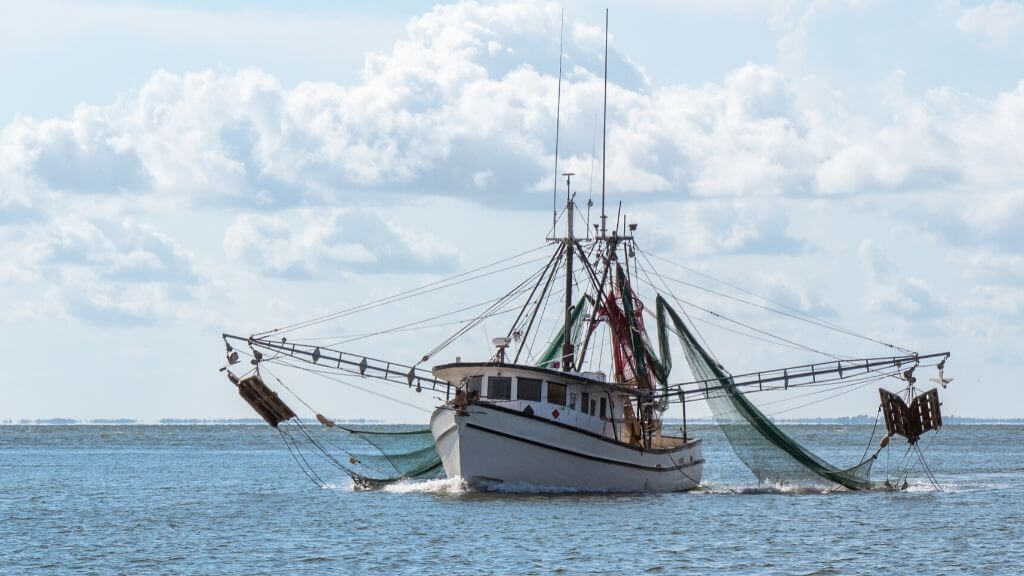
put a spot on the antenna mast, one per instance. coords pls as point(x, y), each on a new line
point(604, 125)
point(558, 111)
point(570, 245)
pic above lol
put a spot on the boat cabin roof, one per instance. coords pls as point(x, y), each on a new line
point(456, 371)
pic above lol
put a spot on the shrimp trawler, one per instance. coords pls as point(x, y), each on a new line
point(588, 410)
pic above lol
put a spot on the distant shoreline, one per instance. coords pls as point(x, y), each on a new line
point(160, 422)
point(842, 420)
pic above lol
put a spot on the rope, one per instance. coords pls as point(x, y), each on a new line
point(872, 437)
point(749, 327)
point(412, 327)
point(707, 347)
point(536, 309)
point(339, 448)
point(518, 289)
point(693, 319)
point(803, 316)
point(412, 292)
point(307, 469)
point(927, 469)
point(323, 451)
point(334, 378)
point(402, 326)
point(696, 483)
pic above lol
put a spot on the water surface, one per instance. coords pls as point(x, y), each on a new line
point(230, 500)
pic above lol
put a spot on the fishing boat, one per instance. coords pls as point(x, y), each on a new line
point(550, 424)
point(559, 417)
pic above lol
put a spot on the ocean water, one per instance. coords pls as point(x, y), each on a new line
point(230, 500)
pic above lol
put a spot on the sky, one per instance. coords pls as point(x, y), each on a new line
point(173, 170)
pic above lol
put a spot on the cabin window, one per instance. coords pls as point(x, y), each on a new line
point(528, 389)
point(604, 407)
point(475, 384)
point(584, 402)
point(572, 400)
point(593, 406)
point(499, 387)
point(556, 393)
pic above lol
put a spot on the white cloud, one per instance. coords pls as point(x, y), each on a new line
point(945, 139)
point(785, 290)
point(447, 111)
point(464, 105)
point(715, 227)
point(999, 306)
point(987, 266)
point(102, 209)
point(1000, 20)
point(315, 243)
point(440, 109)
point(795, 21)
point(891, 291)
point(995, 301)
point(130, 251)
point(100, 272)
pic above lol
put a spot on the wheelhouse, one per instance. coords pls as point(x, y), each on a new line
point(582, 400)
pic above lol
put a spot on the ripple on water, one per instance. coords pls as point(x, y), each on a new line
point(229, 500)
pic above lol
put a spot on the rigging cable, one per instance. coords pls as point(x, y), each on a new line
point(518, 289)
point(693, 319)
point(289, 362)
point(405, 294)
point(315, 443)
point(533, 316)
point(682, 308)
point(333, 376)
point(800, 315)
point(526, 305)
point(749, 327)
point(310, 473)
point(397, 328)
point(412, 327)
point(541, 313)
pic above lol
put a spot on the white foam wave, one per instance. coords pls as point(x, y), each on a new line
point(929, 487)
point(439, 486)
point(458, 486)
point(788, 489)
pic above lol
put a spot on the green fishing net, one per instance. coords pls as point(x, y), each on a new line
point(378, 456)
point(771, 454)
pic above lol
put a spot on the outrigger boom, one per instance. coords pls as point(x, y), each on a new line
point(693, 390)
point(354, 364)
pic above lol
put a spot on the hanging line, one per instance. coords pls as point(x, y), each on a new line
point(491, 301)
point(749, 327)
point(800, 314)
point(412, 292)
point(517, 290)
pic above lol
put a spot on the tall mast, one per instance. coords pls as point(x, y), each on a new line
point(570, 244)
point(604, 124)
point(558, 110)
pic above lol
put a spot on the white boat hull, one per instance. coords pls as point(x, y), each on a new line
point(490, 447)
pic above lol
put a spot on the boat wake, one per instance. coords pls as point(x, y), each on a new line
point(756, 489)
point(459, 486)
point(922, 487)
point(434, 486)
